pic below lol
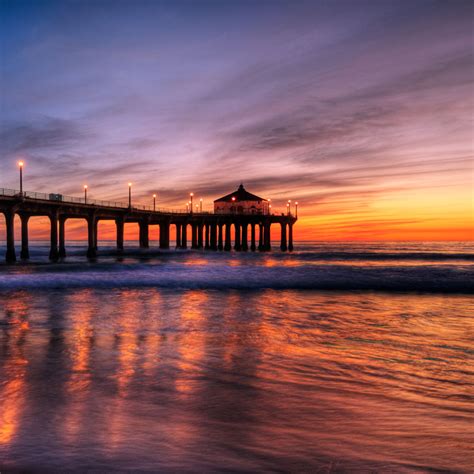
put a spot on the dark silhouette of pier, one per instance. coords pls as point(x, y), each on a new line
point(207, 230)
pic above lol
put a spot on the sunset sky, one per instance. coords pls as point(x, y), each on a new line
point(360, 110)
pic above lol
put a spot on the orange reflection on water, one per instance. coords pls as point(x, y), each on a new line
point(12, 397)
point(191, 344)
point(126, 336)
point(79, 343)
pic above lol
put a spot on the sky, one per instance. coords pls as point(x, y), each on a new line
point(362, 111)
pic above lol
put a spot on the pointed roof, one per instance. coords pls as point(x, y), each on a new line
point(240, 195)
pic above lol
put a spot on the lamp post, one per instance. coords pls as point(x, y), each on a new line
point(296, 209)
point(197, 207)
point(191, 201)
point(20, 165)
point(154, 202)
point(85, 193)
point(200, 205)
point(289, 206)
point(187, 206)
point(130, 195)
point(269, 206)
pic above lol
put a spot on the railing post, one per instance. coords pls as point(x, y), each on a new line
point(252, 237)
point(25, 252)
point(53, 252)
point(62, 237)
point(10, 255)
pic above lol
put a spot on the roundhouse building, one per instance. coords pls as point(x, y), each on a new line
point(241, 202)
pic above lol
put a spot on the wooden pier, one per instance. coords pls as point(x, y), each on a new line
point(199, 230)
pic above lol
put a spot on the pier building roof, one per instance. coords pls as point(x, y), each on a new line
point(240, 195)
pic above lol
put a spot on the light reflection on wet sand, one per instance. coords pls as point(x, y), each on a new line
point(292, 380)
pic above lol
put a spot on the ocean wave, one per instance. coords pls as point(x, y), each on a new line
point(433, 279)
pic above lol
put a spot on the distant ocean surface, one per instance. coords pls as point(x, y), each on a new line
point(337, 357)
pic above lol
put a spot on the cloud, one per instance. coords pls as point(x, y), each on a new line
point(45, 133)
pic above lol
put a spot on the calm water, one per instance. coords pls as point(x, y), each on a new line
point(336, 358)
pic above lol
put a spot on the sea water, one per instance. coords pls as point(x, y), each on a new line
point(354, 357)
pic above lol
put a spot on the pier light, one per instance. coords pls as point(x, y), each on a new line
point(20, 165)
point(200, 205)
point(85, 193)
point(269, 205)
point(296, 209)
point(289, 206)
point(130, 195)
point(191, 195)
point(154, 202)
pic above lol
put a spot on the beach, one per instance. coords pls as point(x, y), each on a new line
point(338, 357)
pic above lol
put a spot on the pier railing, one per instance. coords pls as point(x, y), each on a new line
point(56, 197)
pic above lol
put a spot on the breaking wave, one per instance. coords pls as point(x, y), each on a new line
point(437, 279)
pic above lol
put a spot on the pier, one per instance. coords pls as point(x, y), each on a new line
point(197, 230)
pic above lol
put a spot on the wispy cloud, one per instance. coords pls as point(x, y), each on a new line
point(340, 105)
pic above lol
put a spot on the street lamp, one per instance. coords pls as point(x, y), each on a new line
point(187, 206)
point(130, 195)
point(200, 205)
point(85, 193)
point(191, 201)
point(20, 165)
point(296, 209)
point(197, 207)
point(154, 202)
point(289, 206)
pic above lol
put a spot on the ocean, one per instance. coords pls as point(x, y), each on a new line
point(337, 357)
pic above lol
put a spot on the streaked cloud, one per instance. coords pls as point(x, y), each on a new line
point(340, 105)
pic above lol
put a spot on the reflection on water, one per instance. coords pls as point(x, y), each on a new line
point(198, 380)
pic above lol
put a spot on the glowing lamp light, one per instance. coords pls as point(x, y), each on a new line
point(20, 164)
